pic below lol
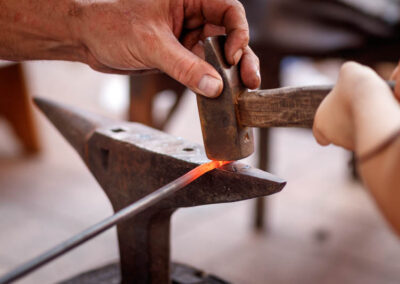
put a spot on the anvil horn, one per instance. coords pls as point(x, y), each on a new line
point(74, 124)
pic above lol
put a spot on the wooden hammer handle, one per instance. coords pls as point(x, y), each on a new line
point(283, 107)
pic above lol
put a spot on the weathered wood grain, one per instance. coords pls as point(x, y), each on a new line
point(284, 107)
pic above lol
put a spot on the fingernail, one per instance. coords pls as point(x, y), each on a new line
point(237, 56)
point(209, 86)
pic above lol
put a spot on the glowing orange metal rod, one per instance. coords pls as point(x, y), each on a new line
point(109, 222)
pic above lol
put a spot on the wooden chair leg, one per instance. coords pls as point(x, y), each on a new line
point(143, 91)
point(271, 79)
point(261, 205)
point(16, 107)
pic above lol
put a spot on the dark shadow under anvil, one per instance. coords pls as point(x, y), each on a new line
point(130, 161)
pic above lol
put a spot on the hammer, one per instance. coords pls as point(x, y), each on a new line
point(227, 120)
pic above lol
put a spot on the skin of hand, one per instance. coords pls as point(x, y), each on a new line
point(396, 77)
point(359, 114)
point(359, 95)
point(129, 36)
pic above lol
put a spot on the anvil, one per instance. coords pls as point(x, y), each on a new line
point(129, 161)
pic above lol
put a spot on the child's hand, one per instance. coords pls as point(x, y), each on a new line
point(356, 87)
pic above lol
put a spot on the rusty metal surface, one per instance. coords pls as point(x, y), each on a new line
point(223, 135)
point(130, 161)
point(110, 274)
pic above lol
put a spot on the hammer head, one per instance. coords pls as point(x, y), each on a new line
point(224, 138)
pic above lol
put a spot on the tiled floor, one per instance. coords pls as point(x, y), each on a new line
point(324, 228)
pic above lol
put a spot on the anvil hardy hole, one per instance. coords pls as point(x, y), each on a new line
point(188, 149)
point(117, 130)
point(104, 153)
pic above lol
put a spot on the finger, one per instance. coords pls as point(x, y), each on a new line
point(396, 77)
point(191, 38)
point(198, 49)
point(231, 15)
point(319, 136)
point(194, 40)
point(212, 30)
point(187, 68)
point(194, 36)
point(250, 69)
point(321, 123)
point(397, 89)
point(395, 73)
point(249, 66)
point(194, 17)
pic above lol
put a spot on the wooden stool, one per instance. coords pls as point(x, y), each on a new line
point(16, 108)
point(143, 90)
point(315, 29)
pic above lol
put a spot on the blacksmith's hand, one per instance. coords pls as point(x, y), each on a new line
point(131, 36)
point(167, 35)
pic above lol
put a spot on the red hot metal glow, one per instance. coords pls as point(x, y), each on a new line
point(204, 168)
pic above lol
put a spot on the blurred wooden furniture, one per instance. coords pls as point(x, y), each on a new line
point(319, 30)
point(280, 28)
point(143, 90)
point(16, 108)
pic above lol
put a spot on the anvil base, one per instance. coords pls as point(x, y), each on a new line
point(110, 274)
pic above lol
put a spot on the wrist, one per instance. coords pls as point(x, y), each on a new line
point(38, 30)
point(376, 116)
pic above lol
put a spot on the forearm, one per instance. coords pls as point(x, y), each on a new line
point(382, 178)
point(39, 29)
point(376, 116)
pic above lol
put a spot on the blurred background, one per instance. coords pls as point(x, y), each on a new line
point(322, 228)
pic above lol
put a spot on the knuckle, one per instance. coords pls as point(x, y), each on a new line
point(149, 38)
point(318, 134)
point(348, 67)
point(256, 59)
point(243, 36)
point(353, 72)
point(239, 6)
point(236, 7)
point(349, 71)
point(183, 71)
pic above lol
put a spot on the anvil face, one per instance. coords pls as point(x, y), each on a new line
point(125, 157)
point(130, 161)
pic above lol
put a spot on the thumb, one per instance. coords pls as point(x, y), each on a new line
point(187, 68)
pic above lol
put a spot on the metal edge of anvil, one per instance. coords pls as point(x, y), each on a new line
point(178, 148)
point(110, 274)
